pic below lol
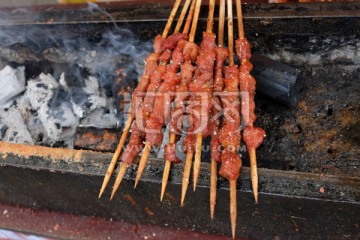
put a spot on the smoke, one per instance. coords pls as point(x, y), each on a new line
point(70, 73)
point(59, 43)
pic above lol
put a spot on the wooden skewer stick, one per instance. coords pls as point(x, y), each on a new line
point(119, 178)
point(195, 20)
point(197, 161)
point(131, 118)
point(166, 170)
point(146, 152)
point(221, 23)
point(233, 201)
point(182, 16)
point(254, 174)
point(213, 170)
point(164, 35)
point(116, 155)
point(190, 17)
point(210, 20)
point(186, 176)
point(171, 18)
point(142, 163)
point(189, 155)
point(173, 136)
point(199, 137)
point(252, 152)
point(213, 185)
point(233, 207)
point(240, 19)
point(230, 32)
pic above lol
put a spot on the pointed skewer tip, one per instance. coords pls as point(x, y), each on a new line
point(101, 192)
point(119, 178)
point(233, 207)
point(186, 176)
point(254, 174)
point(166, 173)
point(197, 161)
point(142, 163)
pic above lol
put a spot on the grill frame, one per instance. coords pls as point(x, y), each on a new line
point(69, 182)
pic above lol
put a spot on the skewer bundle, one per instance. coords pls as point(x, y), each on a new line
point(182, 81)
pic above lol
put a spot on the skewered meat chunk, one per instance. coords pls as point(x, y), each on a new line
point(138, 94)
point(177, 114)
point(171, 41)
point(208, 41)
point(247, 87)
point(190, 51)
point(253, 137)
point(149, 99)
point(153, 73)
point(150, 82)
point(201, 87)
point(177, 57)
point(165, 56)
point(243, 49)
point(154, 125)
point(134, 146)
point(221, 56)
point(170, 153)
point(158, 44)
point(151, 62)
point(215, 145)
point(231, 164)
point(215, 148)
point(189, 54)
point(161, 105)
point(229, 135)
point(189, 140)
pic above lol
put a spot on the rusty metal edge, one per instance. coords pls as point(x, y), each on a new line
point(275, 182)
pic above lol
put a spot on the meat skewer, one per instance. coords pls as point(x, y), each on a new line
point(203, 83)
point(229, 135)
point(144, 110)
point(151, 63)
point(188, 141)
point(190, 53)
point(221, 56)
point(161, 110)
point(199, 87)
point(253, 136)
point(162, 45)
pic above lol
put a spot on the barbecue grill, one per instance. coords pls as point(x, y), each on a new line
point(308, 165)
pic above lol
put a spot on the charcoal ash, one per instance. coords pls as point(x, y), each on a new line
point(106, 116)
point(55, 114)
point(84, 95)
point(13, 127)
point(12, 82)
point(49, 111)
point(101, 118)
point(72, 82)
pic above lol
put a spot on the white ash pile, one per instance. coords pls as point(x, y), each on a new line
point(47, 111)
point(56, 81)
